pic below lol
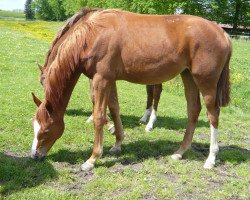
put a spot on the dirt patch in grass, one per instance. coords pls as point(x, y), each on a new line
point(171, 177)
point(80, 180)
point(117, 168)
point(61, 165)
point(149, 197)
point(136, 167)
point(222, 172)
point(85, 177)
point(120, 192)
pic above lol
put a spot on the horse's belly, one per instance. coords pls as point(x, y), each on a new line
point(152, 74)
point(152, 62)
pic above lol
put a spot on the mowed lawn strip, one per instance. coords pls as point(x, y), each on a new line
point(144, 169)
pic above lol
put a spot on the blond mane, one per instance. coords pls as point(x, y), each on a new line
point(68, 24)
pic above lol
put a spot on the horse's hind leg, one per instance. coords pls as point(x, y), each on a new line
point(193, 111)
point(207, 84)
point(213, 112)
point(115, 114)
point(150, 94)
point(156, 97)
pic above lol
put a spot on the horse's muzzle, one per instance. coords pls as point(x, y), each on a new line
point(38, 156)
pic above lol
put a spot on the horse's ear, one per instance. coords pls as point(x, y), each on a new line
point(36, 100)
point(40, 66)
point(48, 107)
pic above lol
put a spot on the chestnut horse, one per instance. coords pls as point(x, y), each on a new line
point(111, 45)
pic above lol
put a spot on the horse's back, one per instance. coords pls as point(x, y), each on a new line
point(160, 46)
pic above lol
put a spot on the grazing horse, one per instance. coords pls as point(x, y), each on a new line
point(111, 45)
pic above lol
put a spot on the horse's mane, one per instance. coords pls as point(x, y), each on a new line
point(68, 24)
point(67, 56)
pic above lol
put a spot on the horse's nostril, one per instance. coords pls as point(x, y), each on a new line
point(42, 158)
point(34, 156)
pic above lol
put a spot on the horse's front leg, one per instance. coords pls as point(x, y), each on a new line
point(101, 92)
point(109, 124)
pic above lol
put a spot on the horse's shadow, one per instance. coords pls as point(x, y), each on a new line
point(18, 173)
point(131, 121)
point(137, 152)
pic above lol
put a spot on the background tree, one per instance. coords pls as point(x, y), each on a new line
point(52, 10)
point(29, 12)
point(58, 10)
point(234, 12)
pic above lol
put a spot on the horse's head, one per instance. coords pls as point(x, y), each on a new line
point(47, 129)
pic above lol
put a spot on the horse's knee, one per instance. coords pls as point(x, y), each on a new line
point(100, 120)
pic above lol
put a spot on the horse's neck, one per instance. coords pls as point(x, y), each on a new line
point(59, 106)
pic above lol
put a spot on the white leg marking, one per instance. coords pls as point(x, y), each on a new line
point(87, 166)
point(111, 128)
point(176, 156)
point(146, 115)
point(90, 119)
point(151, 122)
point(35, 141)
point(214, 148)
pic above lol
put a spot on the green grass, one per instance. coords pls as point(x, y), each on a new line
point(144, 169)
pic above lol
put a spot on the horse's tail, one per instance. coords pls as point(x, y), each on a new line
point(223, 86)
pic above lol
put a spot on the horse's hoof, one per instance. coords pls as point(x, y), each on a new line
point(115, 150)
point(176, 156)
point(112, 130)
point(89, 120)
point(148, 129)
point(86, 167)
point(142, 121)
point(208, 165)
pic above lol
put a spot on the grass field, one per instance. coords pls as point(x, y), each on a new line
point(144, 169)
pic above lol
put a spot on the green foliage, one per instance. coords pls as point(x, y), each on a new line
point(29, 12)
point(234, 12)
point(57, 9)
point(52, 10)
point(139, 6)
point(72, 6)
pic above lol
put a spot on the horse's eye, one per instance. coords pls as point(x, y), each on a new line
point(46, 131)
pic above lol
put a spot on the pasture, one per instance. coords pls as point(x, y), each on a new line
point(144, 169)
